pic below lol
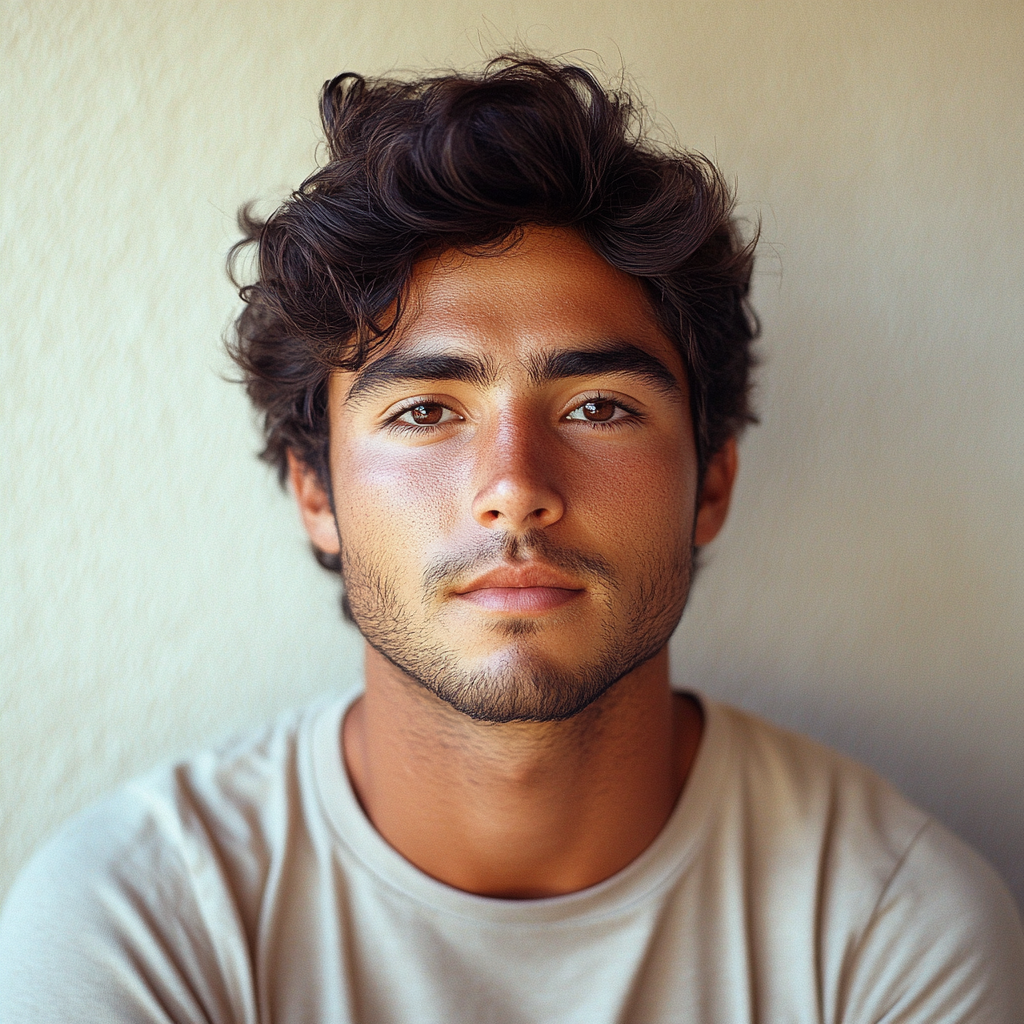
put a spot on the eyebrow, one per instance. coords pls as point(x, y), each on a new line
point(400, 368)
point(617, 358)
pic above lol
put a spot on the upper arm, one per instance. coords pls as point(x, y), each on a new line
point(103, 925)
point(943, 946)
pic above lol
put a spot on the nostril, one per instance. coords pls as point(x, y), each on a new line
point(507, 502)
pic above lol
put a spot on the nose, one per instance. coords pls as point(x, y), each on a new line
point(516, 488)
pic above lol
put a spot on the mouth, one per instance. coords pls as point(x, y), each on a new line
point(520, 590)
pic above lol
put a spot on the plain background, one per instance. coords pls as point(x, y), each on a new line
point(157, 592)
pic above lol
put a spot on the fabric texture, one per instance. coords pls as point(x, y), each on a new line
point(790, 886)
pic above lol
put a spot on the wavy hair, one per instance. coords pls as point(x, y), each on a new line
point(460, 161)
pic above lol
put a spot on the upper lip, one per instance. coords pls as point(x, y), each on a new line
point(529, 574)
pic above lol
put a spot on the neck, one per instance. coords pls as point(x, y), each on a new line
point(526, 809)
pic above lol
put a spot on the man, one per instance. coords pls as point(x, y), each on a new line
point(502, 350)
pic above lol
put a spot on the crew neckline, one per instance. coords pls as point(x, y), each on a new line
point(655, 868)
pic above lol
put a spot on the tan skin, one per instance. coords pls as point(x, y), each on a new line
point(429, 468)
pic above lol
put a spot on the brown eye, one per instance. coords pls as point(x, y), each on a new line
point(426, 414)
point(598, 411)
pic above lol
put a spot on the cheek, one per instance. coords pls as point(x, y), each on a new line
point(636, 498)
point(398, 498)
point(405, 504)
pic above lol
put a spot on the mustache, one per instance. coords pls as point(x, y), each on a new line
point(448, 571)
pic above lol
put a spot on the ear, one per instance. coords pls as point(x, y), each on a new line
point(715, 494)
point(314, 506)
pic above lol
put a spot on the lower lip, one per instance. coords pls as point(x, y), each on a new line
point(520, 599)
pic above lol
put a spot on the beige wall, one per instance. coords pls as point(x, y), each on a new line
point(870, 587)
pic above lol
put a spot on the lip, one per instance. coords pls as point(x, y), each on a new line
point(520, 589)
point(525, 576)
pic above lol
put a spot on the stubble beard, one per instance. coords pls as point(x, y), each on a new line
point(524, 686)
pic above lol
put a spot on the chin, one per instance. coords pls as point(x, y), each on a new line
point(519, 686)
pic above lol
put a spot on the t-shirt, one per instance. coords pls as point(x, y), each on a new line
point(789, 886)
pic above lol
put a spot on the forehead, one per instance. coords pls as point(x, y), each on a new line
point(549, 291)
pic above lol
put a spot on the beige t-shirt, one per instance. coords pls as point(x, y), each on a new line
point(790, 885)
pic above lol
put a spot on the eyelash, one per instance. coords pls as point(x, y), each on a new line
point(420, 428)
point(634, 415)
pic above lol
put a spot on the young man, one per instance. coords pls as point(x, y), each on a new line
point(502, 349)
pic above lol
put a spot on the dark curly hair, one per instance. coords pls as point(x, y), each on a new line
point(460, 161)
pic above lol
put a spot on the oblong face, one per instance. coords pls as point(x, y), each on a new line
point(515, 480)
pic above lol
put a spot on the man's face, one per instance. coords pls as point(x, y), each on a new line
point(515, 481)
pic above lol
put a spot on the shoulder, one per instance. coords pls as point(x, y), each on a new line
point(944, 940)
point(906, 922)
point(143, 906)
point(799, 797)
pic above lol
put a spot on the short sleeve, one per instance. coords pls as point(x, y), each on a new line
point(944, 945)
point(103, 924)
